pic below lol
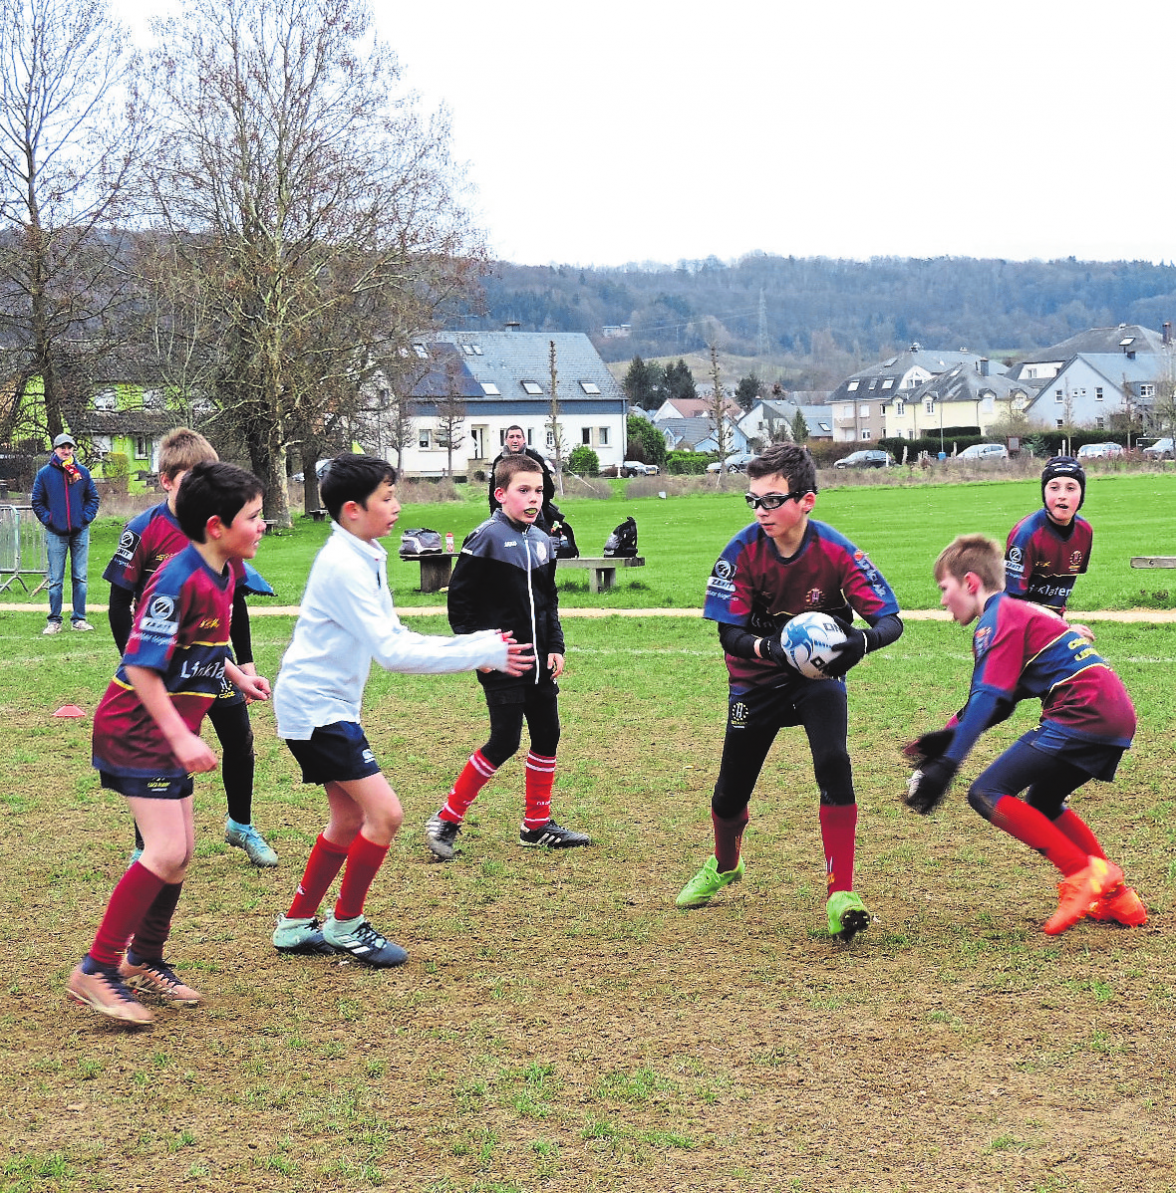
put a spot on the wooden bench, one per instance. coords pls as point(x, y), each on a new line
point(602, 569)
point(435, 570)
point(1153, 561)
point(319, 515)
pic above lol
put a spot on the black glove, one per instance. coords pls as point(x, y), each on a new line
point(930, 745)
point(928, 786)
point(773, 649)
point(849, 653)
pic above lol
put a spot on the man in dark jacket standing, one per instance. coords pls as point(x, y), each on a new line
point(66, 500)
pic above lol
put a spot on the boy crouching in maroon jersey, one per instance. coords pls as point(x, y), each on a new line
point(146, 735)
point(1021, 650)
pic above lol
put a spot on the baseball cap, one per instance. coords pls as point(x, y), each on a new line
point(63, 439)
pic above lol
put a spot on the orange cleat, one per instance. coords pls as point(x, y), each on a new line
point(1124, 906)
point(1100, 879)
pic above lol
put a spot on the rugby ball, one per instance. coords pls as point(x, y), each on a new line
point(810, 640)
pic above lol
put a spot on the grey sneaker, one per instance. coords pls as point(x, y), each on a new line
point(441, 837)
point(300, 936)
point(54, 627)
point(246, 837)
point(81, 624)
point(363, 942)
point(553, 836)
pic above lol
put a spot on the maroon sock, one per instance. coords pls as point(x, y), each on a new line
point(1036, 830)
point(728, 840)
point(839, 834)
point(1075, 829)
point(129, 902)
point(154, 928)
point(325, 861)
point(363, 861)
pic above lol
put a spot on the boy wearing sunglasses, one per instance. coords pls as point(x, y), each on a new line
point(784, 564)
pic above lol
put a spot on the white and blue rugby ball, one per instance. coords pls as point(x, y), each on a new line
point(810, 641)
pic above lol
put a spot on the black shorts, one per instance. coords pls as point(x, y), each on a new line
point(336, 753)
point(153, 787)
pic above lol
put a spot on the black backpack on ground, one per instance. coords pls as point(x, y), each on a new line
point(622, 543)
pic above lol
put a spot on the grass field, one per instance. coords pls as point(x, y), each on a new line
point(560, 1026)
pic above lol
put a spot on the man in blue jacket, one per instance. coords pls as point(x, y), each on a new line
point(66, 500)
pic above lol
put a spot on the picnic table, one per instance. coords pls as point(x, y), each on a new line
point(602, 569)
point(436, 570)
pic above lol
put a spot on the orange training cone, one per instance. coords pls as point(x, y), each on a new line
point(69, 710)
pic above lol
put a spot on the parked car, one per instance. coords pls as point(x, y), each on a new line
point(1162, 449)
point(321, 469)
point(735, 463)
point(985, 451)
point(637, 468)
point(1098, 451)
point(870, 458)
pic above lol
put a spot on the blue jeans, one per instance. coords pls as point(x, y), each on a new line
point(78, 546)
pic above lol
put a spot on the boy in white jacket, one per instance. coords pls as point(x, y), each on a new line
point(347, 620)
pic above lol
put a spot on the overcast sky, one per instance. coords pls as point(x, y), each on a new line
point(612, 132)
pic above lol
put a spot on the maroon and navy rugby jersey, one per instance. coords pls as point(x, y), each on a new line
point(1023, 651)
point(181, 631)
point(1042, 559)
point(147, 542)
point(752, 585)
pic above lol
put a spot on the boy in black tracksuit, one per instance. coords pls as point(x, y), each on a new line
point(504, 579)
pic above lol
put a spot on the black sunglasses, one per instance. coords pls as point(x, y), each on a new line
point(771, 501)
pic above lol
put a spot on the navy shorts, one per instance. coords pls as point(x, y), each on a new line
point(154, 787)
point(335, 753)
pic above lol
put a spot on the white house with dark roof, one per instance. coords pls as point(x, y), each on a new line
point(502, 378)
point(1090, 387)
point(1128, 340)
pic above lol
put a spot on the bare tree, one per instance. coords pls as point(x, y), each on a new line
point(451, 416)
point(718, 415)
point(554, 427)
point(313, 207)
point(70, 140)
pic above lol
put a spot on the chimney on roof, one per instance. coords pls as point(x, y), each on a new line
point(983, 366)
point(1167, 333)
point(511, 325)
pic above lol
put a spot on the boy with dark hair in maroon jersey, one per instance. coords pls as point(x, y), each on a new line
point(146, 736)
point(784, 564)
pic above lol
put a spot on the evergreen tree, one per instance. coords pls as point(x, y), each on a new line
point(799, 428)
point(749, 391)
point(679, 381)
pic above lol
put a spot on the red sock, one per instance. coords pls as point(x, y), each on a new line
point(153, 930)
point(129, 902)
point(1075, 829)
point(838, 832)
point(1036, 830)
point(474, 776)
point(325, 861)
point(540, 777)
point(363, 861)
point(728, 840)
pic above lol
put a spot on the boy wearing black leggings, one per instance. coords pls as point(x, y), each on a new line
point(504, 579)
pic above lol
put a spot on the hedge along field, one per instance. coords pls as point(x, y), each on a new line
point(902, 527)
point(560, 1026)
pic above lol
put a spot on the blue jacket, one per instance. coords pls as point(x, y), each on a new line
point(62, 507)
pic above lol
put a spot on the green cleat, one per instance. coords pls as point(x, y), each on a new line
point(847, 915)
point(707, 883)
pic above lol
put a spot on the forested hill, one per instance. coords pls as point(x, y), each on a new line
point(791, 308)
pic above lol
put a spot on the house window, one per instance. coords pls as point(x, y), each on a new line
point(825, 427)
point(586, 435)
point(490, 389)
point(425, 439)
point(531, 387)
point(864, 411)
point(851, 386)
point(104, 399)
point(1098, 394)
point(550, 438)
point(866, 433)
point(421, 351)
point(590, 387)
point(888, 383)
point(1147, 391)
point(899, 408)
point(1061, 424)
point(142, 447)
point(1057, 395)
point(468, 349)
point(929, 406)
point(1100, 423)
point(602, 436)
